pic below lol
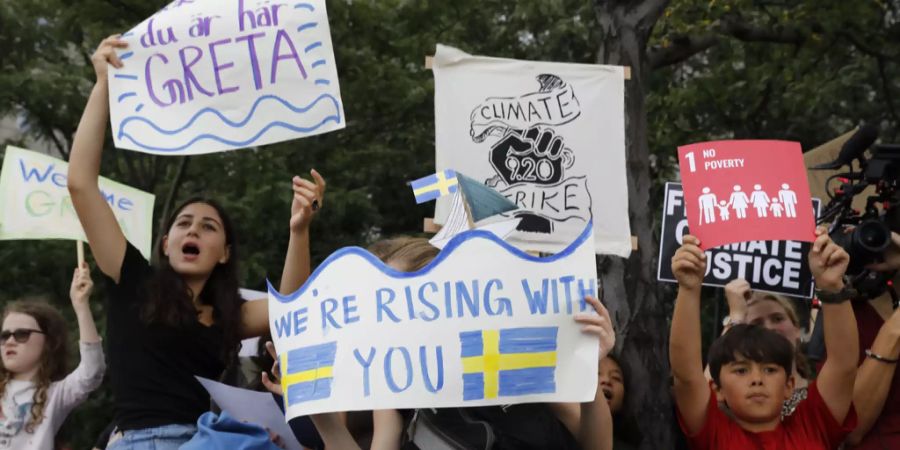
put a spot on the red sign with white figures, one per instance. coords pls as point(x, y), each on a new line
point(736, 191)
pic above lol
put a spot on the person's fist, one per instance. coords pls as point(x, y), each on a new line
point(689, 263)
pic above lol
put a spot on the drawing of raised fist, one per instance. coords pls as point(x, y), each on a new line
point(534, 155)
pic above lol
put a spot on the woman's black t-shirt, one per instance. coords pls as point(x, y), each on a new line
point(152, 367)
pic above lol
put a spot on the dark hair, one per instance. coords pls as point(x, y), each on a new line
point(625, 426)
point(752, 342)
point(170, 300)
point(54, 356)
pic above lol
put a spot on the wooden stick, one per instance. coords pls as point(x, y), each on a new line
point(80, 250)
point(429, 64)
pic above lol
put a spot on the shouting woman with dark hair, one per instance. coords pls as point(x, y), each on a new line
point(185, 318)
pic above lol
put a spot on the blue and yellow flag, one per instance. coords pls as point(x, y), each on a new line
point(306, 373)
point(508, 362)
point(434, 186)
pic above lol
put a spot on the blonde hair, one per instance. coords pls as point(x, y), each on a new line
point(411, 253)
point(783, 301)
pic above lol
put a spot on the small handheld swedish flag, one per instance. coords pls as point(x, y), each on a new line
point(508, 362)
point(434, 186)
point(306, 373)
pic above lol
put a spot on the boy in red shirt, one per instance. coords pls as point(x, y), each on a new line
point(751, 367)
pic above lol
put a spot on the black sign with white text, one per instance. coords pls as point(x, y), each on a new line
point(773, 266)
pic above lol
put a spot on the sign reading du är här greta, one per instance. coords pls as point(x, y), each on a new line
point(202, 76)
point(35, 202)
point(773, 266)
point(483, 324)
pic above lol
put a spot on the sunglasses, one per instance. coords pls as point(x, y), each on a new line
point(21, 335)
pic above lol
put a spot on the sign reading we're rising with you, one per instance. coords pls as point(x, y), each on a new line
point(482, 324)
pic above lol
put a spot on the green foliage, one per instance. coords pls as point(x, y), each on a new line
point(841, 69)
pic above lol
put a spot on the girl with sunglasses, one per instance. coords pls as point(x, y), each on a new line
point(36, 395)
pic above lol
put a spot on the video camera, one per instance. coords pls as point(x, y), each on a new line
point(864, 235)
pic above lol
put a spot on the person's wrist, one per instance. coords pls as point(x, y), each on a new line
point(830, 285)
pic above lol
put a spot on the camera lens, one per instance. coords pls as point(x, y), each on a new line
point(872, 236)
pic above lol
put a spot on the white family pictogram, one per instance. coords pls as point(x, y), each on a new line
point(782, 204)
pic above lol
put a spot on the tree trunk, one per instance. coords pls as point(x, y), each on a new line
point(629, 286)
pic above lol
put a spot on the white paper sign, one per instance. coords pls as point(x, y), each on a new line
point(35, 202)
point(549, 136)
point(258, 408)
point(203, 76)
point(483, 324)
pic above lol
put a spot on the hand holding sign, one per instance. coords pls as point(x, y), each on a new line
point(828, 262)
point(106, 56)
point(599, 325)
point(689, 264)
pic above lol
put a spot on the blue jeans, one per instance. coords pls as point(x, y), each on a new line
point(166, 437)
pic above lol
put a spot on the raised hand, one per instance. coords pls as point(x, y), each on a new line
point(689, 263)
point(309, 197)
point(737, 292)
point(105, 55)
point(82, 285)
point(599, 325)
point(828, 262)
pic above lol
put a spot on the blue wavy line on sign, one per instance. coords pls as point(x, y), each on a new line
point(126, 55)
point(307, 26)
point(305, 6)
point(126, 77)
point(449, 249)
point(233, 143)
point(320, 62)
point(139, 108)
point(232, 124)
point(126, 95)
point(323, 82)
point(312, 46)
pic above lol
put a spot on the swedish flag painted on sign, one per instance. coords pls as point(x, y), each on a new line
point(434, 186)
point(306, 373)
point(508, 362)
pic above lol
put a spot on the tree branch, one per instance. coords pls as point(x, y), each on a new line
point(683, 47)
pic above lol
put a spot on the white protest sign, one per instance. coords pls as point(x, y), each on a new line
point(482, 324)
point(548, 136)
point(203, 76)
point(258, 408)
point(35, 202)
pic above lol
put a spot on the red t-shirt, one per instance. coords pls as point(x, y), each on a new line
point(810, 427)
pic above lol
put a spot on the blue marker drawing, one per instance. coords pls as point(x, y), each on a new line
point(508, 362)
point(126, 95)
point(307, 26)
point(239, 124)
point(323, 82)
point(126, 55)
point(317, 63)
point(139, 108)
point(308, 373)
point(456, 242)
point(312, 46)
point(305, 6)
point(125, 77)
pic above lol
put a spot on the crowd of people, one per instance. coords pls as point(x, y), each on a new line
point(184, 317)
